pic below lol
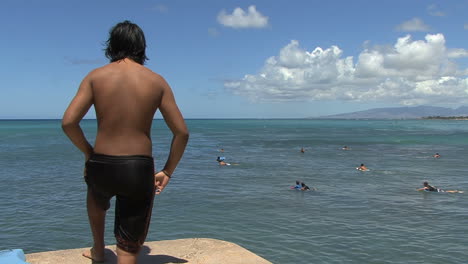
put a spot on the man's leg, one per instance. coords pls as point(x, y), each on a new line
point(97, 217)
point(124, 257)
point(132, 219)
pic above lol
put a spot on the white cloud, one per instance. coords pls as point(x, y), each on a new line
point(465, 26)
point(433, 10)
point(415, 24)
point(409, 72)
point(242, 19)
point(457, 53)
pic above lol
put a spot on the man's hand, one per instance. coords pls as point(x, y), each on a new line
point(160, 181)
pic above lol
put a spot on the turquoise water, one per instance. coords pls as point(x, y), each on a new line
point(354, 217)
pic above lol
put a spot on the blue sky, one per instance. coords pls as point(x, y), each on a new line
point(244, 59)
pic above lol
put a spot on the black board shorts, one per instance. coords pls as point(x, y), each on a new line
point(131, 180)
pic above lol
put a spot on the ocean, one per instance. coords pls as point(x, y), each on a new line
point(353, 217)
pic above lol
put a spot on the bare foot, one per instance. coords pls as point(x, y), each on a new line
point(93, 256)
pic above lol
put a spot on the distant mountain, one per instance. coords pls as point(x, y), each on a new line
point(415, 112)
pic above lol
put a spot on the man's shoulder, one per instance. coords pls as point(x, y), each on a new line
point(112, 69)
point(156, 78)
point(100, 70)
point(151, 72)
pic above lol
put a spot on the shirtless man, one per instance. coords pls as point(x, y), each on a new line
point(362, 168)
point(429, 188)
point(125, 95)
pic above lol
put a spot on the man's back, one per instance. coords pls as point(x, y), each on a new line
point(126, 96)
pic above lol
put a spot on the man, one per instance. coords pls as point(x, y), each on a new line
point(362, 167)
point(125, 95)
point(221, 161)
point(304, 187)
point(429, 188)
point(298, 186)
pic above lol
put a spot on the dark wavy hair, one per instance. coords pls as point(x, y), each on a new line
point(126, 40)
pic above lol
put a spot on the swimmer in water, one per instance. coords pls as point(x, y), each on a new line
point(221, 161)
point(437, 155)
point(345, 148)
point(362, 167)
point(304, 187)
point(429, 188)
point(297, 186)
point(302, 150)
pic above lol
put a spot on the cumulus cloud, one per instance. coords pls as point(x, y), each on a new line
point(415, 24)
point(457, 53)
point(409, 72)
point(242, 19)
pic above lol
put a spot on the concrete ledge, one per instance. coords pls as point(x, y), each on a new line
point(190, 251)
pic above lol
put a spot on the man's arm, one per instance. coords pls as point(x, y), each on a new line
point(78, 107)
point(176, 124)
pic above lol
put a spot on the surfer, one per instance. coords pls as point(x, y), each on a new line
point(429, 188)
point(362, 167)
point(223, 163)
point(297, 186)
point(304, 187)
